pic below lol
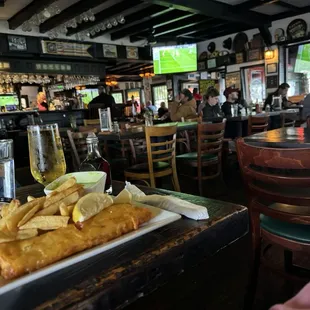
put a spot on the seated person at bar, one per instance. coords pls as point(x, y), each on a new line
point(150, 106)
point(106, 100)
point(231, 95)
point(280, 92)
point(184, 106)
point(210, 108)
point(162, 110)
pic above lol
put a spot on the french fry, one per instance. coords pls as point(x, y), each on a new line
point(61, 195)
point(9, 208)
point(54, 208)
point(64, 211)
point(46, 222)
point(69, 183)
point(7, 237)
point(30, 198)
point(29, 215)
point(26, 234)
point(16, 216)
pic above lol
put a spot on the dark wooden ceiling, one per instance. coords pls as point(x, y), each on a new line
point(180, 21)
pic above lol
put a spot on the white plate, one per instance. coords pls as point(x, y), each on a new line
point(160, 219)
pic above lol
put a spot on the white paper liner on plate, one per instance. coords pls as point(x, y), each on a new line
point(169, 203)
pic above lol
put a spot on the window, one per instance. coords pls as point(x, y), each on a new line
point(160, 94)
point(298, 69)
point(118, 97)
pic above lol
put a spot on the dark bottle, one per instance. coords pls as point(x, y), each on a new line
point(95, 162)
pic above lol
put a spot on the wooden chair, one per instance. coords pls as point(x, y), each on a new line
point(90, 122)
point(286, 121)
point(277, 181)
point(138, 150)
point(257, 124)
point(161, 157)
point(208, 157)
point(78, 147)
point(94, 129)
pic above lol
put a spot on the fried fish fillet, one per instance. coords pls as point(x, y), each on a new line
point(20, 257)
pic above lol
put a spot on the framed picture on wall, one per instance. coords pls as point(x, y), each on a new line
point(109, 51)
point(272, 68)
point(17, 43)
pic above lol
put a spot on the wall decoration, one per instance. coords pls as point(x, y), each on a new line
point(203, 56)
point(233, 80)
point(279, 34)
point(239, 58)
point(109, 51)
point(65, 48)
point(272, 81)
point(297, 29)
point(17, 43)
point(211, 47)
point(211, 63)
point(201, 65)
point(272, 68)
point(227, 44)
point(132, 52)
point(239, 42)
point(255, 54)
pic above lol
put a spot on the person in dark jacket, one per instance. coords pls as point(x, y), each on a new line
point(231, 95)
point(105, 99)
point(210, 107)
point(280, 92)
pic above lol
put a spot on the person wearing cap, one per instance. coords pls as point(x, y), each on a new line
point(184, 106)
point(231, 95)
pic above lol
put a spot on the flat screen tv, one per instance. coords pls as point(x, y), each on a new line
point(174, 59)
point(302, 64)
point(88, 94)
point(9, 101)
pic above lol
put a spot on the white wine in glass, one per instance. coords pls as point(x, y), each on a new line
point(47, 160)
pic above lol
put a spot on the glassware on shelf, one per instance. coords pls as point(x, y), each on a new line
point(47, 160)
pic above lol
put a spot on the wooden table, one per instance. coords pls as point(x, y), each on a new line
point(138, 131)
point(118, 277)
point(296, 137)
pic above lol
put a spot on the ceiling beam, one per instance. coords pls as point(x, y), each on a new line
point(27, 12)
point(69, 13)
point(216, 9)
point(225, 32)
point(305, 9)
point(290, 7)
point(171, 27)
point(165, 19)
point(137, 68)
point(137, 18)
point(127, 8)
point(245, 6)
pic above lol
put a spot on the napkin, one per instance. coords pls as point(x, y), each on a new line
point(169, 203)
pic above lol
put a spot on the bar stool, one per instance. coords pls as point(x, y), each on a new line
point(277, 181)
point(161, 157)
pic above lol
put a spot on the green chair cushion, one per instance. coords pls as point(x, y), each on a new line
point(194, 155)
point(297, 232)
point(144, 167)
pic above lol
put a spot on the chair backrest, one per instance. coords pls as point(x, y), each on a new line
point(274, 174)
point(88, 122)
point(164, 150)
point(93, 128)
point(257, 124)
point(137, 147)
point(78, 147)
point(210, 141)
point(286, 120)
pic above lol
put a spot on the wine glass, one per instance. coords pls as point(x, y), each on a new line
point(47, 160)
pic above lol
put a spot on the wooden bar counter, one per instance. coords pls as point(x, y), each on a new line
point(119, 276)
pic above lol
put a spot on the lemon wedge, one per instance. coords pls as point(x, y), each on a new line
point(123, 197)
point(90, 205)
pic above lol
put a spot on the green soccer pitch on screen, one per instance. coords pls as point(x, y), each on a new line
point(302, 64)
point(174, 59)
